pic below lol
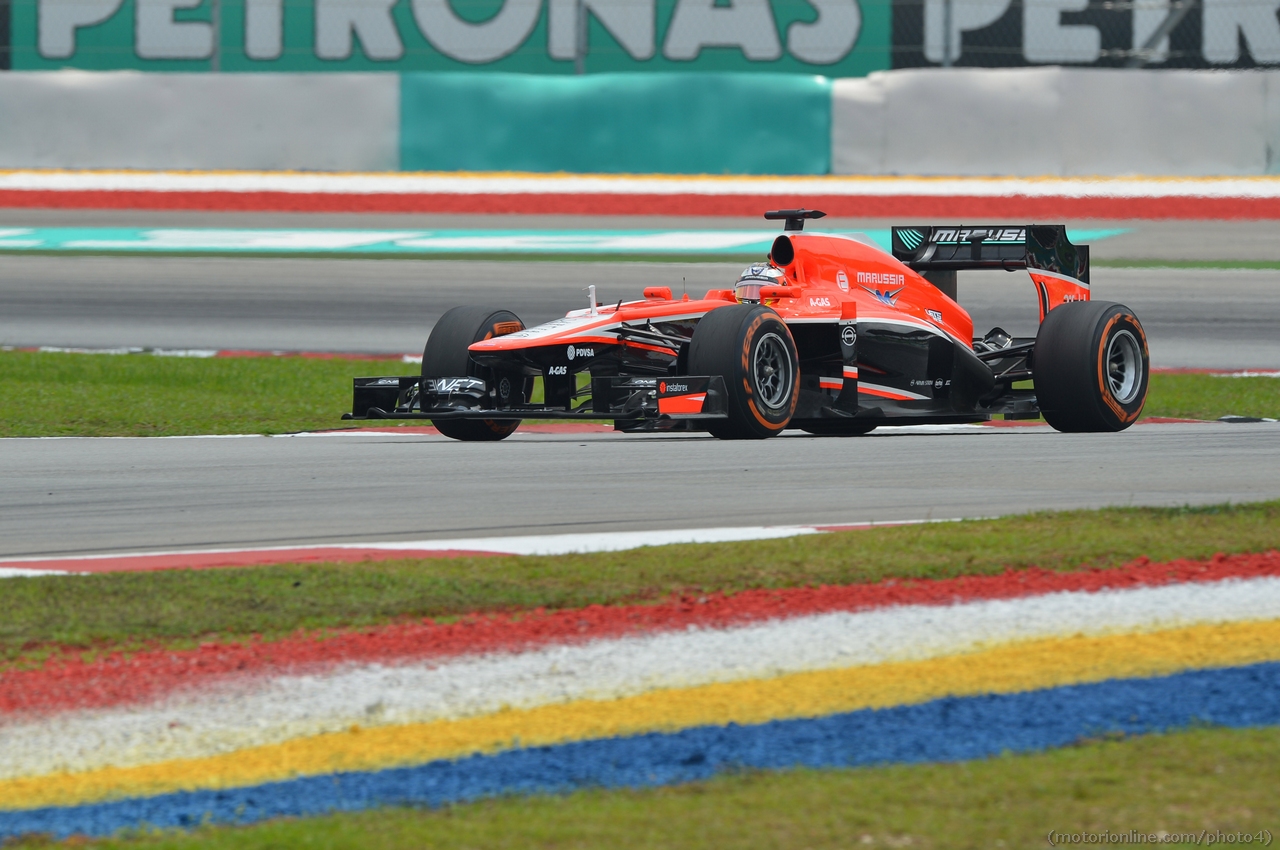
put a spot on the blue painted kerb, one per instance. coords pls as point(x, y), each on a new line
point(943, 730)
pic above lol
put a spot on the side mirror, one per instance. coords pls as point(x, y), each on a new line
point(658, 293)
point(779, 292)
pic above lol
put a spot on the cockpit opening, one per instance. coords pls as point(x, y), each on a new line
point(753, 279)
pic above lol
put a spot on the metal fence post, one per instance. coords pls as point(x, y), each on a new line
point(215, 20)
point(580, 37)
point(5, 60)
point(1144, 54)
point(946, 33)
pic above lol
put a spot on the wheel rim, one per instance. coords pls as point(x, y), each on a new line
point(772, 371)
point(1124, 366)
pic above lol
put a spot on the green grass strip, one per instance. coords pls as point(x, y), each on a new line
point(1185, 782)
point(1211, 397)
point(181, 607)
point(141, 395)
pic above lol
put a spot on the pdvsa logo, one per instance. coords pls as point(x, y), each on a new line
point(579, 352)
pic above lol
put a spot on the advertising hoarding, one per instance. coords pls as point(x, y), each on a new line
point(830, 37)
point(835, 38)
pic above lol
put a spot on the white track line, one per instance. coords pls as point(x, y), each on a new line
point(542, 544)
point(12, 572)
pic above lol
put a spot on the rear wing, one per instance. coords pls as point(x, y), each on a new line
point(1003, 246)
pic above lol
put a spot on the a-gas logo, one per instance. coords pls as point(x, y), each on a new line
point(842, 280)
point(579, 352)
point(822, 301)
point(558, 370)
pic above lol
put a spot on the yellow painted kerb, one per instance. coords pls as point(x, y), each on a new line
point(1013, 668)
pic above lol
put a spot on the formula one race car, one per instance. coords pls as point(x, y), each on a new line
point(831, 335)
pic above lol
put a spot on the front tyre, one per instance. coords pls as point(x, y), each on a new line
point(752, 349)
point(446, 356)
point(1091, 367)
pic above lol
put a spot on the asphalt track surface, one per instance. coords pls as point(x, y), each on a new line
point(1206, 318)
point(1194, 318)
point(1222, 319)
point(71, 496)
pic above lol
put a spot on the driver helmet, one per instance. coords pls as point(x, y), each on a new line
point(753, 278)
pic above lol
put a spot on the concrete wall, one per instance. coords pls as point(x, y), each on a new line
point(1057, 121)
point(1016, 121)
point(74, 119)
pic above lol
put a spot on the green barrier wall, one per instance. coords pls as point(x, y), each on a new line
point(835, 38)
point(660, 123)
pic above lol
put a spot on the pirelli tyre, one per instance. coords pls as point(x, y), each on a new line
point(752, 349)
point(1091, 367)
point(446, 356)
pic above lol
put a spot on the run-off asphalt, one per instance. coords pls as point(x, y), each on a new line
point(1206, 318)
point(67, 496)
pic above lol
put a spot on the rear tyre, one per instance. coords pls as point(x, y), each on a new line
point(1091, 367)
point(752, 349)
point(446, 356)
point(837, 428)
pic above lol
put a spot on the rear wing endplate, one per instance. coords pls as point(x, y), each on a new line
point(1003, 246)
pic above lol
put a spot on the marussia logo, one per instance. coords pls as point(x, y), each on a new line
point(986, 234)
point(887, 297)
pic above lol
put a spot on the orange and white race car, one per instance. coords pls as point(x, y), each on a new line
point(830, 334)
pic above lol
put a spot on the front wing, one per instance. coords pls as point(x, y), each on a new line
point(635, 404)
